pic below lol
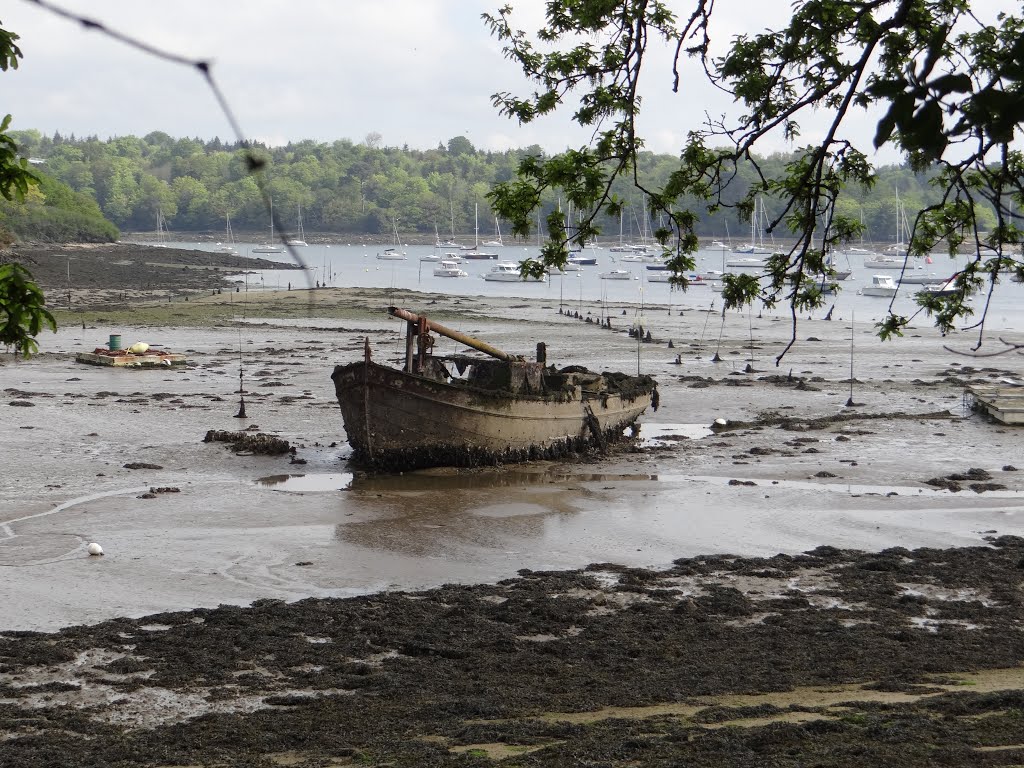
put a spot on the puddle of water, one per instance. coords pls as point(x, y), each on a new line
point(327, 481)
point(667, 434)
point(448, 480)
point(854, 490)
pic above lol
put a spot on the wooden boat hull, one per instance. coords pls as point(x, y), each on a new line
point(396, 420)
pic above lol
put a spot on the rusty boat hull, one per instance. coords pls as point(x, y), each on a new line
point(397, 420)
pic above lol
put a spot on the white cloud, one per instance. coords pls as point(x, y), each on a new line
point(416, 71)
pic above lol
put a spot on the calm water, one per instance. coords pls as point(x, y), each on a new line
point(358, 266)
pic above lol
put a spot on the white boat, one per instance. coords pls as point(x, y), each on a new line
point(581, 261)
point(300, 237)
point(659, 277)
point(617, 274)
point(944, 288)
point(508, 272)
point(749, 262)
point(394, 253)
point(449, 269)
point(228, 246)
point(881, 285)
point(923, 279)
point(497, 242)
point(881, 261)
point(161, 229)
point(758, 223)
point(434, 257)
point(269, 247)
point(473, 251)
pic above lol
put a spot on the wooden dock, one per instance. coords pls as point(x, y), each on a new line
point(1005, 404)
point(125, 359)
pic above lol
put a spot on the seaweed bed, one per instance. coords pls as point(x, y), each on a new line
point(829, 658)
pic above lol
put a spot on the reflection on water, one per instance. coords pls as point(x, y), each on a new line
point(444, 479)
point(838, 487)
point(447, 479)
point(328, 481)
point(666, 434)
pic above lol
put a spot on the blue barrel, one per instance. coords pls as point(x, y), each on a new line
point(115, 341)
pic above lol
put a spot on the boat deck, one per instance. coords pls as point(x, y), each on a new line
point(1005, 404)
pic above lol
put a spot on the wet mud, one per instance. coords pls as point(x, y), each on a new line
point(828, 658)
point(857, 654)
point(94, 275)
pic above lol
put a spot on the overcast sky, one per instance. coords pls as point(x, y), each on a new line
point(418, 72)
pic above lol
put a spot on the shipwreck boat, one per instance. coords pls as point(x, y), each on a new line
point(463, 410)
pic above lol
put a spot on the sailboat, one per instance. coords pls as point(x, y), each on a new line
point(269, 247)
point(756, 246)
point(300, 237)
point(495, 243)
point(161, 229)
point(395, 253)
point(450, 242)
point(475, 252)
point(895, 255)
point(228, 246)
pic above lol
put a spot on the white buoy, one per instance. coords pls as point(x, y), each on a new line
point(720, 422)
point(95, 549)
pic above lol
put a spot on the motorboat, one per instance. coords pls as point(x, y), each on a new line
point(617, 274)
point(946, 288)
point(391, 254)
point(449, 269)
point(881, 285)
point(749, 263)
point(881, 261)
point(509, 272)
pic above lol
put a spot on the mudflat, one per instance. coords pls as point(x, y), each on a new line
point(830, 577)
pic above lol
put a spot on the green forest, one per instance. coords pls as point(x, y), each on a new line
point(345, 188)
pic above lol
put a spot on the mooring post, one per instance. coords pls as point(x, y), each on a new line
point(410, 333)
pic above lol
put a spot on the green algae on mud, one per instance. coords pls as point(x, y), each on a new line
point(832, 658)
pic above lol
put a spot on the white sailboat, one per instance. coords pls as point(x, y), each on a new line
point(228, 246)
point(758, 222)
point(475, 252)
point(270, 247)
point(161, 229)
point(450, 242)
point(300, 237)
point(496, 243)
point(394, 253)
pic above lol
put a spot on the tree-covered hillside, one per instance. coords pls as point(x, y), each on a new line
point(362, 188)
point(53, 212)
